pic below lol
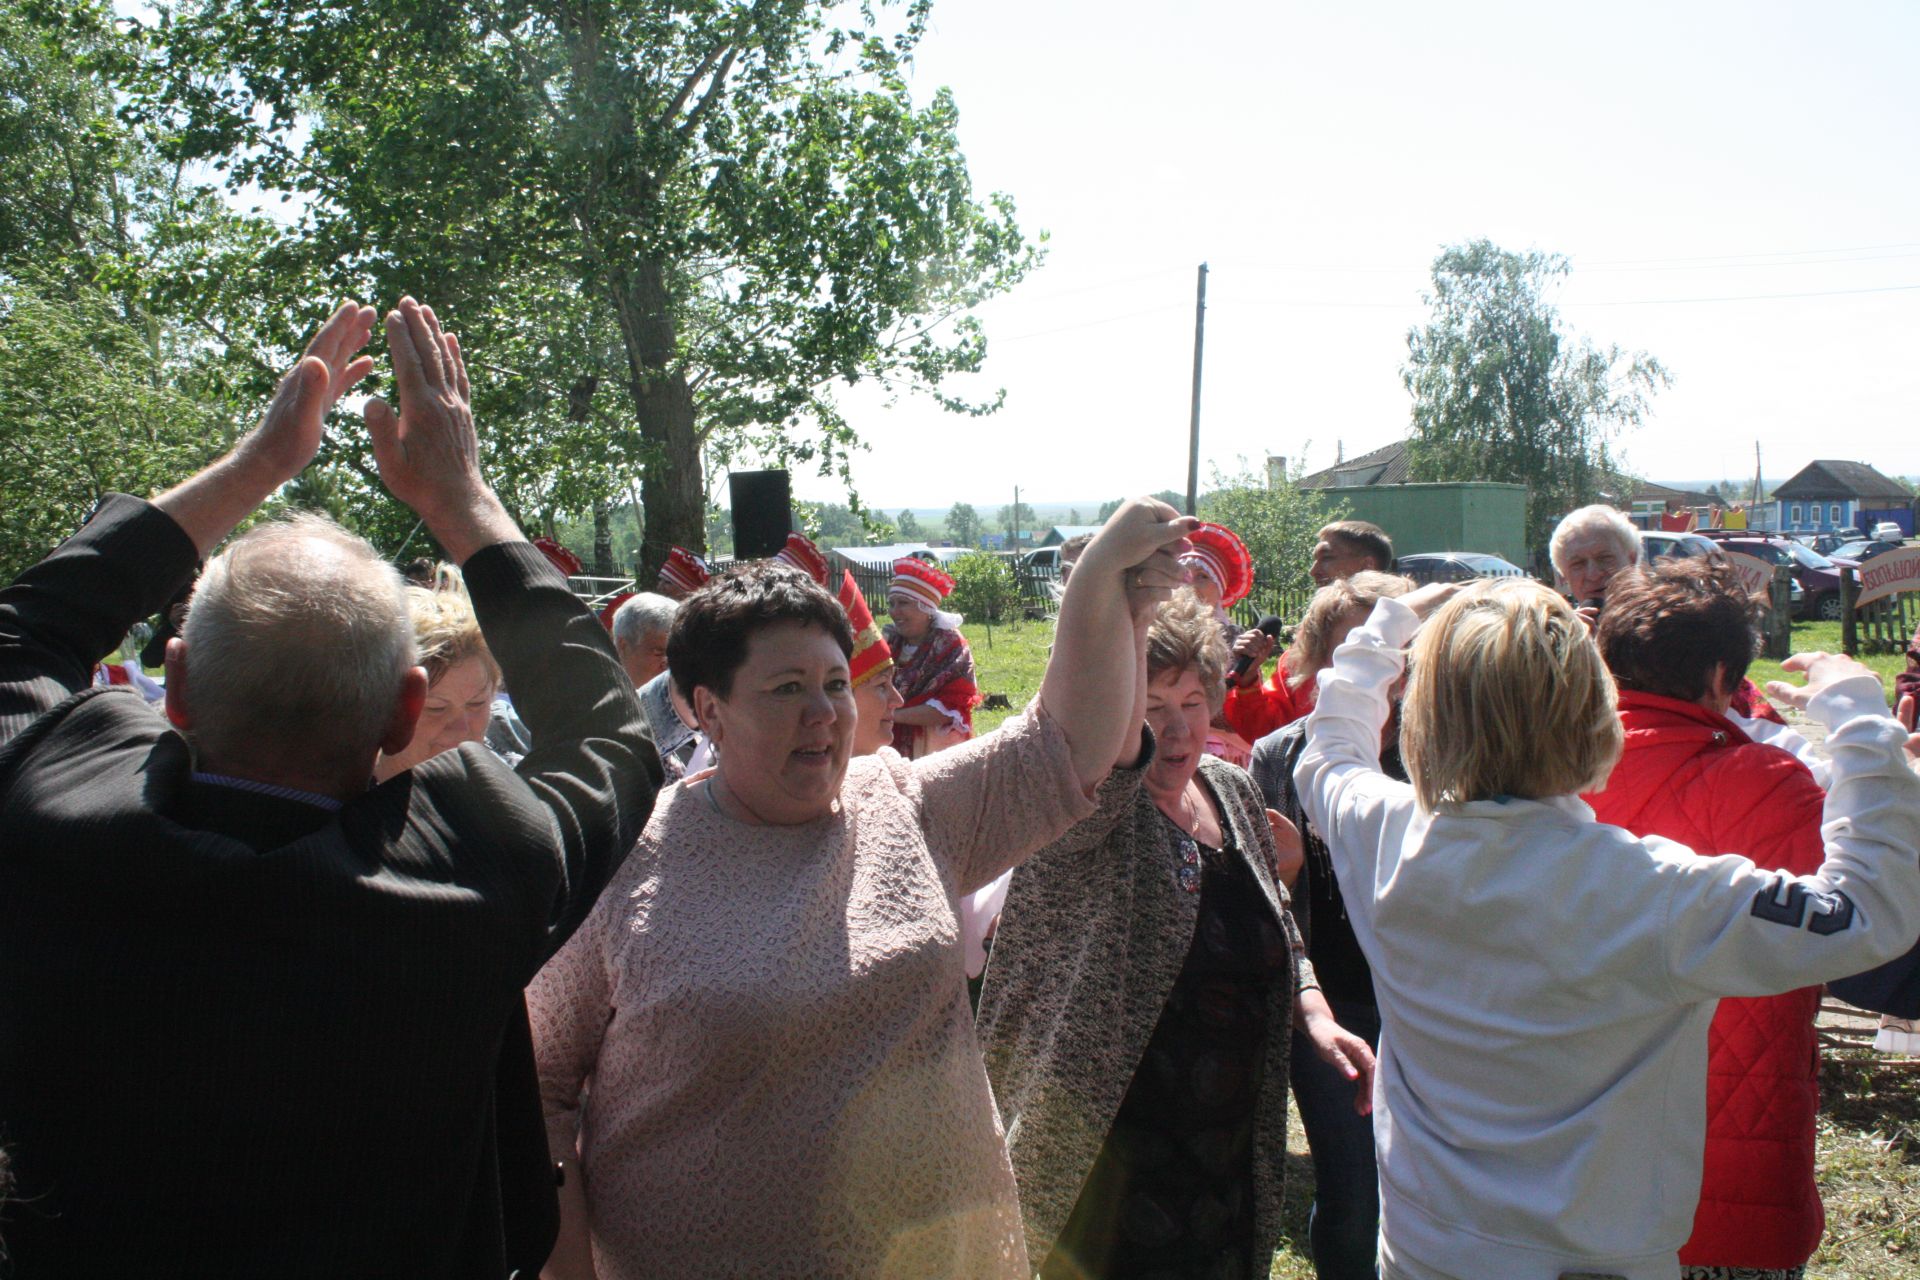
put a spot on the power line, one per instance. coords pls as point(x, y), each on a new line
point(1743, 297)
point(1093, 324)
point(1716, 261)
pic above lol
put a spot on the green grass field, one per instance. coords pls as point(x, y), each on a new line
point(1007, 659)
point(1868, 1154)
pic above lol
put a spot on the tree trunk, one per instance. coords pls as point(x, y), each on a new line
point(672, 488)
point(602, 541)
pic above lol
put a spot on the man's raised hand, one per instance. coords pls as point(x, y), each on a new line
point(429, 452)
point(289, 433)
point(211, 503)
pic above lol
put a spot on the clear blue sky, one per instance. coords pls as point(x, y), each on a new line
point(1317, 156)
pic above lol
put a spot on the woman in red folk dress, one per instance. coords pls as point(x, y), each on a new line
point(933, 667)
point(1220, 571)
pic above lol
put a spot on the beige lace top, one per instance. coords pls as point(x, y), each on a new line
point(771, 1027)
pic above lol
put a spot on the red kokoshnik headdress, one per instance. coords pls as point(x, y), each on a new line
point(1219, 553)
point(561, 558)
point(870, 650)
point(683, 574)
point(804, 556)
point(920, 581)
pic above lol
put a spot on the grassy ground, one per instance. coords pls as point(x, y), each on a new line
point(1826, 636)
point(1009, 660)
point(1869, 1136)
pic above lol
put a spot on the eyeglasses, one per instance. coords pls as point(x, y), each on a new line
point(1188, 872)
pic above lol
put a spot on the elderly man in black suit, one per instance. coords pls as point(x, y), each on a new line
point(257, 1016)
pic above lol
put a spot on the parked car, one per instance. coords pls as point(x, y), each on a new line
point(1041, 558)
point(1824, 543)
point(1658, 545)
point(1888, 531)
point(1455, 566)
point(1816, 576)
point(1862, 549)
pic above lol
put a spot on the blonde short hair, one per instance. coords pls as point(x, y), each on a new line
point(1186, 636)
point(446, 632)
point(1508, 697)
point(1312, 650)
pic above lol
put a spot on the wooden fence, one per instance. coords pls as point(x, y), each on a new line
point(1879, 626)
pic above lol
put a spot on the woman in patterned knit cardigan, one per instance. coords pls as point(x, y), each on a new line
point(1137, 1008)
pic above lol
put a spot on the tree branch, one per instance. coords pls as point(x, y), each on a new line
point(688, 85)
point(712, 94)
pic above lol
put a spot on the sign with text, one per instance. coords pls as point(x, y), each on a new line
point(1888, 574)
point(1756, 575)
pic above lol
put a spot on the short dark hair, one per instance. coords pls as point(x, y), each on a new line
point(1667, 624)
point(1370, 538)
point(714, 625)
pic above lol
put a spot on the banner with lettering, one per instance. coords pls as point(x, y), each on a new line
point(1756, 575)
point(1888, 574)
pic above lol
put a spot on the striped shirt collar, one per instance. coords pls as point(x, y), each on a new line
point(318, 801)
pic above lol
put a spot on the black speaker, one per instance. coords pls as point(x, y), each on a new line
point(762, 512)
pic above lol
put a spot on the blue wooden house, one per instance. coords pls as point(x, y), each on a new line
point(1826, 495)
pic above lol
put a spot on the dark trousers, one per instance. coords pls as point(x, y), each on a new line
point(1345, 1221)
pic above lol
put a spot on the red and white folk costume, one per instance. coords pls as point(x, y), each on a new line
point(1218, 556)
point(937, 671)
point(1218, 553)
point(683, 574)
point(801, 554)
point(870, 651)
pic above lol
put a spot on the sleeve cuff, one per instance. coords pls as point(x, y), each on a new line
point(1394, 621)
point(954, 718)
point(1848, 699)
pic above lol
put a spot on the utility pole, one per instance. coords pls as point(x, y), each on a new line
point(1016, 518)
point(1199, 342)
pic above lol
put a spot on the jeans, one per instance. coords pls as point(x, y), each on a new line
point(1345, 1220)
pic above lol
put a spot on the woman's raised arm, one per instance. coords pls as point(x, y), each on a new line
point(1090, 688)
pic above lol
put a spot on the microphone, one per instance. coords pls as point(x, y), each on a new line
point(1269, 624)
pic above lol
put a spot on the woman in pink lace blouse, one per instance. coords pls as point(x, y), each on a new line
point(757, 1054)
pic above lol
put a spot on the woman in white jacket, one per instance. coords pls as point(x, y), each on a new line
point(1545, 982)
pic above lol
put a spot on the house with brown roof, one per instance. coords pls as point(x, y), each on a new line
point(1828, 494)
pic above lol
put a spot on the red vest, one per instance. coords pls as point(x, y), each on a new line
point(1692, 776)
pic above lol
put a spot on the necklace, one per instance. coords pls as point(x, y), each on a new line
point(1187, 866)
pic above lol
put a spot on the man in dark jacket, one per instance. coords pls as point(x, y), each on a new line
point(257, 1016)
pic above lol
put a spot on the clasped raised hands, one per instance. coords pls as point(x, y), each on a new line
point(1142, 541)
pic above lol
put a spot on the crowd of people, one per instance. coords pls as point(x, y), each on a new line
point(440, 927)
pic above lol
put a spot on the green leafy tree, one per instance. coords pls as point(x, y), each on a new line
point(963, 524)
point(984, 589)
point(1073, 516)
point(1017, 518)
point(88, 408)
point(909, 528)
point(1108, 508)
point(831, 524)
point(1278, 525)
point(1501, 391)
point(670, 231)
point(103, 385)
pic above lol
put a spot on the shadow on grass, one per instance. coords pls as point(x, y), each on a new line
point(1873, 1099)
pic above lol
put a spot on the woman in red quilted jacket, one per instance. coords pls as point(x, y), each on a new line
point(1678, 637)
